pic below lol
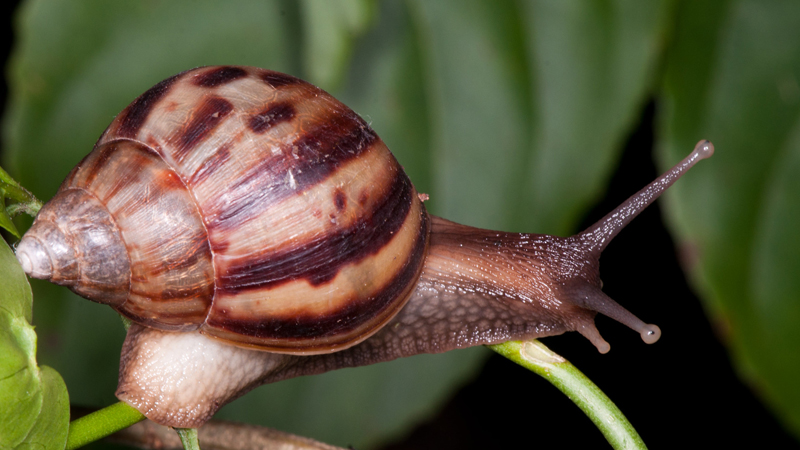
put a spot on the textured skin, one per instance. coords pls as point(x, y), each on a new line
point(181, 379)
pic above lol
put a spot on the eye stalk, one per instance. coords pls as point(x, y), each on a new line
point(592, 298)
point(596, 238)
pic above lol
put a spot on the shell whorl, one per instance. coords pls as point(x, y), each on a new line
point(58, 248)
point(259, 209)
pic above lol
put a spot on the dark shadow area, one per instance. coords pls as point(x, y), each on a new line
point(7, 10)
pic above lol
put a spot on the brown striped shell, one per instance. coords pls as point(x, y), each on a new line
point(244, 203)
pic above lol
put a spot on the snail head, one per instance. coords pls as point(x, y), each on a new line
point(585, 291)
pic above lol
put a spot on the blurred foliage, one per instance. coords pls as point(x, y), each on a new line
point(510, 114)
point(731, 76)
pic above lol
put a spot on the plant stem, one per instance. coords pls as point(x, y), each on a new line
point(536, 357)
point(125, 322)
point(216, 434)
point(100, 424)
point(20, 194)
point(188, 438)
point(26, 202)
point(30, 209)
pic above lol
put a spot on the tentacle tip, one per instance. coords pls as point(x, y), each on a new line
point(589, 331)
point(704, 149)
point(603, 347)
point(651, 334)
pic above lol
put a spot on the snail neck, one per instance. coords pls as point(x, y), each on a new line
point(556, 279)
point(520, 266)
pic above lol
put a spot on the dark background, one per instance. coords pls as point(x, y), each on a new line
point(640, 269)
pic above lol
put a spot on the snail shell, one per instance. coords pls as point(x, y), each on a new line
point(243, 203)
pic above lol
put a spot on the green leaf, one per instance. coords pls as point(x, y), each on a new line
point(593, 65)
point(34, 406)
point(5, 220)
point(530, 103)
point(10, 189)
point(732, 77)
point(20, 391)
point(52, 423)
point(15, 295)
point(330, 27)
point(360, 407)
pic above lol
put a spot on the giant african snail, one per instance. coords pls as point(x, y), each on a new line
point(255, 209)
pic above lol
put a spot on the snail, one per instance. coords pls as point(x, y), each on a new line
point(255, 229)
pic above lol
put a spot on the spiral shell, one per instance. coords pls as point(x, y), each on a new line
point(244, 203)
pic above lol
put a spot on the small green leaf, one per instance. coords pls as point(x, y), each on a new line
point(24, 202)
point(5, 219)
point(34, 406)
point(6, 178)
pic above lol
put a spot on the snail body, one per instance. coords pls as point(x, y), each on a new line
point(253, 208)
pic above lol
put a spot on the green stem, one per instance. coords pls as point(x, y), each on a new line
point(536, 357)
point(125, 322)
point(30, 209)
point(188, 438)
point(14, 191)
point(100, 424)
point(4, 176)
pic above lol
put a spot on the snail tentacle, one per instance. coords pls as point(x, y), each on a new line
point(597, 237)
